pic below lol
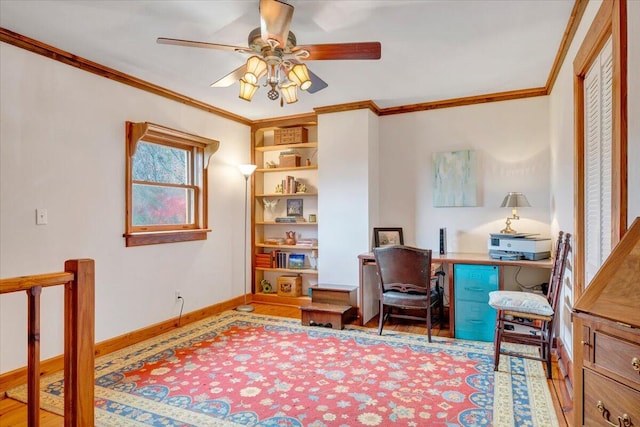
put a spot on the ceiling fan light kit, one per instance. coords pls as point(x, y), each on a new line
point(274, 53)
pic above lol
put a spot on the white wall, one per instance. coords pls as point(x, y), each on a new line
point(511, 141)
point(62, 148)
point(347, 159)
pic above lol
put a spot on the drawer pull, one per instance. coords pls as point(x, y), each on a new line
point(623, 421)
point(635, 362)
point(474, 289)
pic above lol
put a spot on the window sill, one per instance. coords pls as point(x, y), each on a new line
point(160, 237)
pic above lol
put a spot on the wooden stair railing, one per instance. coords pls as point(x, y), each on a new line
point(79, 338)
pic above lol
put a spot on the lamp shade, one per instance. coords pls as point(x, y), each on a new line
point(247, 170)
point(256, 67)
point(290, 92)
point(247, 90)
point(515, 200)
point(300, 76)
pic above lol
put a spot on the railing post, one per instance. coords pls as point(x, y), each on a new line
point(79, 336)
point(33, 363)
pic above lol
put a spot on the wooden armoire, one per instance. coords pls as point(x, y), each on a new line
point(607, 340)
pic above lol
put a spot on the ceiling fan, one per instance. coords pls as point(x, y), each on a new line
point(274, 53)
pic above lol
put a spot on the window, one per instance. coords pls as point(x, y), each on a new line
point(166, 185)
point(600, 83)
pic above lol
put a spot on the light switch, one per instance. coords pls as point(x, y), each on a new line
point(41, 216)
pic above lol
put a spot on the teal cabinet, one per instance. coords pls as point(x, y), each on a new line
point(474, 318)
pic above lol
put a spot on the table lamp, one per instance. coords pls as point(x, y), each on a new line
point(513, 200)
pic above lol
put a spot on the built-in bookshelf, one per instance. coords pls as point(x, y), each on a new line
point(285, 209)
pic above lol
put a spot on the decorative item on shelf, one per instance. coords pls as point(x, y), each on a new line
point(308, 162)
point(289, 286)
point(293, 135)
point(291, 238)
point(279, 189)
point(301, 187)
point(289, 160)
point(266, 286)
point(296, 261)
point(513, 200)
point(312, 218)
point(313, 259)
point(271, 165)
point(270, 204)
point(294, 207)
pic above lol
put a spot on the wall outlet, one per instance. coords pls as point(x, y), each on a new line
point(178, 295)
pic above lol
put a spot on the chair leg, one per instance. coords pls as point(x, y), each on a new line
point(381, 320)
point(497, 339)
point(429, 322)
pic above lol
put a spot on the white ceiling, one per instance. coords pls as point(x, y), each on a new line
point(431, 49)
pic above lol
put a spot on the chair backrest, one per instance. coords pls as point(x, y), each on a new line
point(558, 269)
point(403, 268)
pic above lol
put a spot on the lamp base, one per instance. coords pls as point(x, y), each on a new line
point(508, 229)
point(245, 308)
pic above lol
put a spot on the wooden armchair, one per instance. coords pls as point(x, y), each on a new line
point(529, 318)
point(405, 283)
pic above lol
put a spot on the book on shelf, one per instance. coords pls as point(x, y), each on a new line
point(307, 242)
point(290, 219)
point(274, 241)
point(263, 260)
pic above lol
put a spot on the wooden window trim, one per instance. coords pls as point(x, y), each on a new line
point(610, 21)
point(150, 132)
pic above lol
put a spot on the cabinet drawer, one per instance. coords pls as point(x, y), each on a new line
point(617, 356)
point(615, 399)
point(474, 282)
point(474, 321)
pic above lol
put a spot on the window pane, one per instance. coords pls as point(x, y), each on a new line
point(160, 163)
point(156, 205)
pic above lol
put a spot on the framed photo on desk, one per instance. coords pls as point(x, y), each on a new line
point(387, 237)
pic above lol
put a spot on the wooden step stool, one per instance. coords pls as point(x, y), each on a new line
point(331, 306)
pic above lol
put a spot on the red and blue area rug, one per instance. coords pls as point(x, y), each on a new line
point(249, 369)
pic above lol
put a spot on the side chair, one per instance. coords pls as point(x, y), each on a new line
point(531, 316)
point(405, 283)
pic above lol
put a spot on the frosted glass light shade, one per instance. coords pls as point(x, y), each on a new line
point(247, 170)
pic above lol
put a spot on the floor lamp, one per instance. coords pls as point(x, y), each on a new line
point(247, 171)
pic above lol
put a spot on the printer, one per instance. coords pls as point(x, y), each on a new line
point(519, 246)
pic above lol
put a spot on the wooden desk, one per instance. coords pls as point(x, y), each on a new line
point(368, 303)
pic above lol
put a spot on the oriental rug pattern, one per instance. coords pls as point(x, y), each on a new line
point(249, 369)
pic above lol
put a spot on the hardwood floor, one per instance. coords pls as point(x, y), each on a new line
point(14, 413)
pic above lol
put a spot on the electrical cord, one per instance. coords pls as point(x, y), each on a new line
point(523, 286)
point(181, 307)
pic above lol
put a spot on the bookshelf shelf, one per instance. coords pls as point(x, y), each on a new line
point(295, 247)
point(289, 270)
point(290, 224)
point(308, 194)
point(288, 169)
point(287, 146)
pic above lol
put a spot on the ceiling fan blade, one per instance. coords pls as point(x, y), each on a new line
point(191, 43)
point(316, 82)
point(275, 19)
point(232, 77)
point(360, 50)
